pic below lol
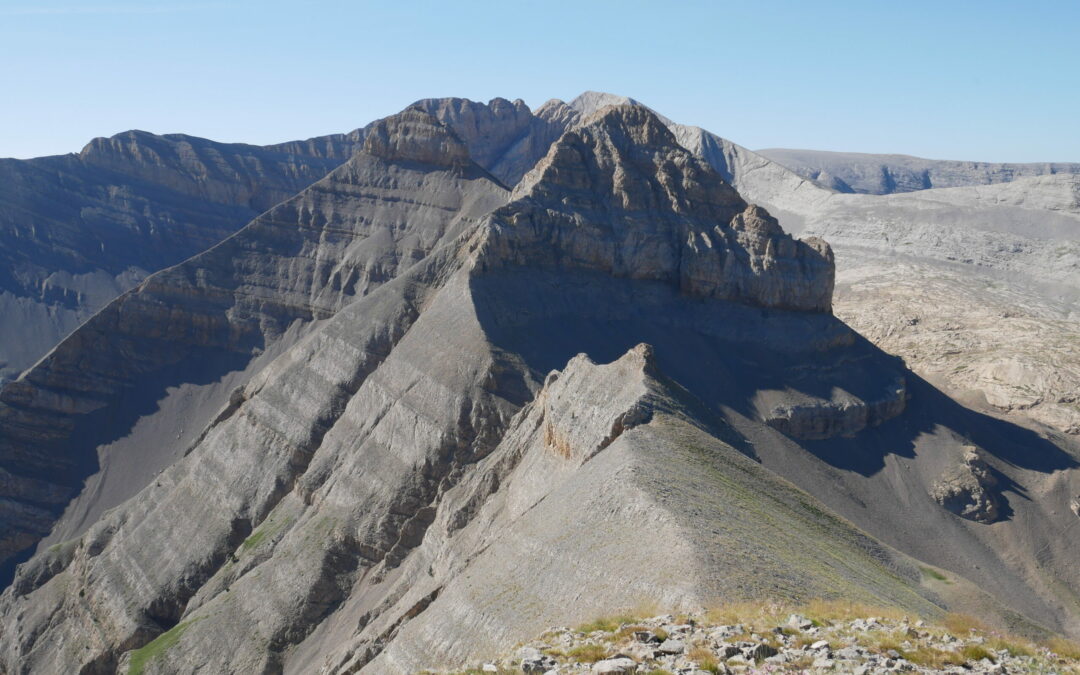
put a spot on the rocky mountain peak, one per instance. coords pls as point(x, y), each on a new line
point(504, 137)
point(619, 194)
point(625, 152)
point(415, 135)
point(557, 111)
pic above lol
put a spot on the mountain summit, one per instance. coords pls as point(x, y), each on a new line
point(618, 194)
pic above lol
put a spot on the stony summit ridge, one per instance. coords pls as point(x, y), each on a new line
point(475, 370)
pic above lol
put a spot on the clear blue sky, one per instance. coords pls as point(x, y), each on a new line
point(956, 79)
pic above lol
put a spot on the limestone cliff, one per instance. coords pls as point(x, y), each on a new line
point(618, 194)
point(78, 230)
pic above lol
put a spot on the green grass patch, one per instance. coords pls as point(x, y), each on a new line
point(157, 647)
point(254, 540)
point(934, 574)
point(270, 527)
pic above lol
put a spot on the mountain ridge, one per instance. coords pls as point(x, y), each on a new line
point(869, 173)
point(420, 387)
point(77, 230)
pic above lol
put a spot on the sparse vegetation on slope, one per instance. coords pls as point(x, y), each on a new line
point(143, 656)
point(817, 637)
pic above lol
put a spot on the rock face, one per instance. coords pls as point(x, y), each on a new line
point(967, 489)
point(340, 440)
point(888, 174)
point(505, 138)
point(975, 286)
point(844, 417)
point(221, 308)
point(77, 230)
point(619, 195)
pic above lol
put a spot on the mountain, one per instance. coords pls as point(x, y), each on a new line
point(497, 371)
point(77, 230)
point(975, 287)
point(887, 174)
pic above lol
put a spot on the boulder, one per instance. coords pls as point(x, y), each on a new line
point(615, 666)
point(967, 489)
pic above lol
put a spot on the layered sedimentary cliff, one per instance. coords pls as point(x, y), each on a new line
point(620, 196)
point(301, 261)
point(77, 230)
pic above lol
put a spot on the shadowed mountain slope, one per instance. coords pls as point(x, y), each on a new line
point(400, 451)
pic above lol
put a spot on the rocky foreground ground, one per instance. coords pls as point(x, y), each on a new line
point(804, 641)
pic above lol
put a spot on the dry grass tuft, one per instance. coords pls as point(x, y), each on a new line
point(961, 625)
point(1066, 649)
point(761, 616)
point(801, 663)
point(705, 659)
point(627, 631)
point(607, 623)
point(882, 641)
point(977, 653)
point(933, 658)
point(845, 610)
point(588, 653)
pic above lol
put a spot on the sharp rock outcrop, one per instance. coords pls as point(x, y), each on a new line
point(967, 488)
point(619, 195)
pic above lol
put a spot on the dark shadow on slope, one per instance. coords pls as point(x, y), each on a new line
point(731, 355)
point(117, 420)
point(7, 570)
point(928, 409)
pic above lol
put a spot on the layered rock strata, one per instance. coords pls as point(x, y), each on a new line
point(302, 261)
point(620, 196)
point(77, 230)
point(392, 454)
